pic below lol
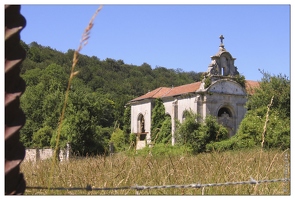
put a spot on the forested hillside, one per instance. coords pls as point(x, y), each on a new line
point(97, 98)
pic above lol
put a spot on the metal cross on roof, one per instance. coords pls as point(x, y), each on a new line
point(221, 38)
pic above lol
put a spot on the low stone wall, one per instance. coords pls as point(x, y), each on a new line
point(46, 153)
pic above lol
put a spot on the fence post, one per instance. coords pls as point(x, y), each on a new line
point(203, 190)
point(286, 172)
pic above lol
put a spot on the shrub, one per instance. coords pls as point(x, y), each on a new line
point(132, 139)
point(197, 135)
point(240, 79)
point(158, 117)
point(118, 140)
point(164, 135)
point(159, 150)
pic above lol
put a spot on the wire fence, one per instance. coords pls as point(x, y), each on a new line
point(139, 188)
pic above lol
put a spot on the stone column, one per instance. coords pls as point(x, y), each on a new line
point(68, 151)
point(173, 118)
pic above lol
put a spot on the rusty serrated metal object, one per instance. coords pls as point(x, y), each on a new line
point(14, 88)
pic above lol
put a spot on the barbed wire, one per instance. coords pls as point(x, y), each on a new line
point(137, 187)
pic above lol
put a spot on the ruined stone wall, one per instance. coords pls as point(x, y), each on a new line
point(34, 155)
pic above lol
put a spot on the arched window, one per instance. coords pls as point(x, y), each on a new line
point(225, 117)
point(224, 111)
point(141, 125)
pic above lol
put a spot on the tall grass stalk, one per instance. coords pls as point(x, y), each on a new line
point(83, 42)
point(262, 139)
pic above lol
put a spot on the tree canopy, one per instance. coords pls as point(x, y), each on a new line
point(97, 99)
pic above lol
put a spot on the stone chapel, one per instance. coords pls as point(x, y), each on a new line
point(218, 94)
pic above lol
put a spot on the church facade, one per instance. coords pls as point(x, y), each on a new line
point(219, 94)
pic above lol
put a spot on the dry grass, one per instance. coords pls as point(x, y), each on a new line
point(120, 171)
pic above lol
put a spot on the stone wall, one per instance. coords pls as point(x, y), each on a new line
point(34, 155)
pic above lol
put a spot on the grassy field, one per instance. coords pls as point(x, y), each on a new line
point(120, 170)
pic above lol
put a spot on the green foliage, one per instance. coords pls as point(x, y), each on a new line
point(118, 140)
point(277, 129)
point(197, 135)
point(207, 82)
point(63, 138)
point(85, 137)
point(97, 97)
point(158, 117)
point(249, 135)
point(161, 150)
point(43, 98)
point(206, 79)
point(27, 132)
point(164, 135)
point(127, 122)
point(277, 86)
point(132, 139)
point(277, 132)
point(184, 131)
point(240, 79)
point(42, 137)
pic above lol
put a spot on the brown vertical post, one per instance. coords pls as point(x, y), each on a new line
point(14, 88)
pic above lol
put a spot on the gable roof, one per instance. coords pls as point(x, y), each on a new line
point(185, 89)
point(250, 86)
point(157, 93)
point(169, 92)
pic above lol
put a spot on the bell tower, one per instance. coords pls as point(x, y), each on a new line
point(222, 63)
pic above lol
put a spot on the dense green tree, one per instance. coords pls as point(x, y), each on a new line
point(26, 132)
point(32, 76)
point(276, 86)
point(158, 117)
point(42, 137)
point(127, 122)
point(273, 92)
point(85, 138)
point(86, 115)
point(42, 100)
point(97, 96)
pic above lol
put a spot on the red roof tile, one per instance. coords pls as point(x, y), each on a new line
point(157, 93)
point(184, 89)
point(167, 92)
point(250, 86)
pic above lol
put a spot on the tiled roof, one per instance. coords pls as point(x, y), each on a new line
point(167, 92)
point(157, 93)
point(250, 85)
point(184, 89)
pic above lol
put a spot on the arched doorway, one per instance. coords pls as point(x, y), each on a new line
point(225, 117)
point(141, 127)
